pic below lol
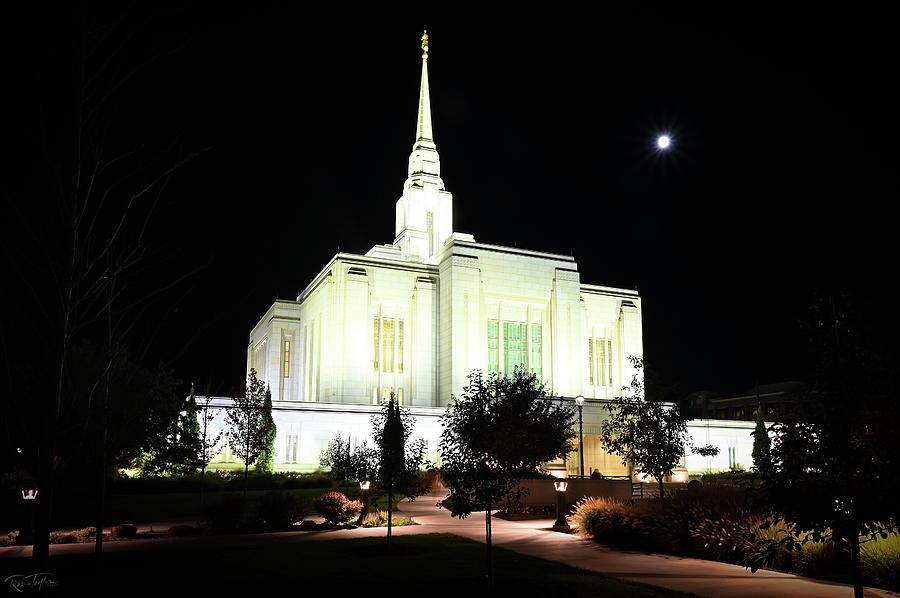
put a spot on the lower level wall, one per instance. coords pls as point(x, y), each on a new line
point(305, 429)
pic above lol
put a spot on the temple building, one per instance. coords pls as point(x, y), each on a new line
point(414, 316)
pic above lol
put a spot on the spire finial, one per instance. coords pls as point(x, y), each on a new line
point(425, 44)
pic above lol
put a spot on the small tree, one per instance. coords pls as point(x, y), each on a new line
point(762, 445)
point(266, 461)
point(245, 420)
point(651, 435)
point(338, 457)
point(395, 460)
point(498, 430)
point(347, 464)
point(834, 461)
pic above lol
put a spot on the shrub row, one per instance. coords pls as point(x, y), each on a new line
point(218, 481)
point(714, 522)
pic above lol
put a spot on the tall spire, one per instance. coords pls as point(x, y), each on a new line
point(424, 129)
point(424, 162)
point(425, 210)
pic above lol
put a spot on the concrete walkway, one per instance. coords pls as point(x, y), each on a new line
point(536, 538)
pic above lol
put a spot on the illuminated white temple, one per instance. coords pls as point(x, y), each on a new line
point(413, 317)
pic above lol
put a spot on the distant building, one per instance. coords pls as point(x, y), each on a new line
point(774, 399)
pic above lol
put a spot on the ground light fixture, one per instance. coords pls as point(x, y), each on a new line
point(561, 525)
point(364, 486)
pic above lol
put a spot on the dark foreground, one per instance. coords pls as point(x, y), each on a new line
point(429, 565)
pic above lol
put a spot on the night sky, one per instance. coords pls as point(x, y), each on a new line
point(781, 179)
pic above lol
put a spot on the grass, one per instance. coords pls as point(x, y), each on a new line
point(433, 564)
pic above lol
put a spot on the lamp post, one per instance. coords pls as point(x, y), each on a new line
point(364, 486)
point(29, 497)
point(579, 400)
point(561, 525)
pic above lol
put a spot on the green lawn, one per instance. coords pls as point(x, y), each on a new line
point(426, 565)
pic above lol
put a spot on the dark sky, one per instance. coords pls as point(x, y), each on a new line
point(781, 179)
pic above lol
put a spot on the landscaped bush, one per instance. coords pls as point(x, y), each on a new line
point(62, 538)
point(737, 477)
point(613, 521)
point(85, 533)
point(379, 519)
point(332, 506)
point(9, 539)
point(217, 481)
point(279, 510)
point(715, 522)
point(212, 482)
point(304, 481)
point(819, 559)
point(125, 530)
point(881, 562)
point(352, 509)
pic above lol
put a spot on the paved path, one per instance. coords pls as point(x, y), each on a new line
point(536, 538)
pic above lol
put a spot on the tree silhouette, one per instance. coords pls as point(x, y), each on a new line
point(497, 431)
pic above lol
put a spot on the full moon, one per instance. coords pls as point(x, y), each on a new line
point(663, 142)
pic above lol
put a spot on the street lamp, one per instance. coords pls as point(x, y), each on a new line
point(364, 486)
point(561, 525)
point(579, 400)
point(663, 142)
point(29, 497)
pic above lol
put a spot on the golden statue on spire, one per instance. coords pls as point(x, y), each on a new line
point(425, 44)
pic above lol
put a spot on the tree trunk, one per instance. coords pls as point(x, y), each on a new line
point(247, 458)
point(101, 495)
point(40, 549)
point(855, 565)
point(246, 468)
point(662, 490)
point(202, 477)
point(487, 542)
point(390, 512)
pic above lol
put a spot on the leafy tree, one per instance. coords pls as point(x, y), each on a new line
point(497, 431)
point(246, 422)
point(347, 464)
point(339, 458)
point(266, 461)
point(395, 460)
point(762, 445)
point(834, 463)
point(651, 435)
